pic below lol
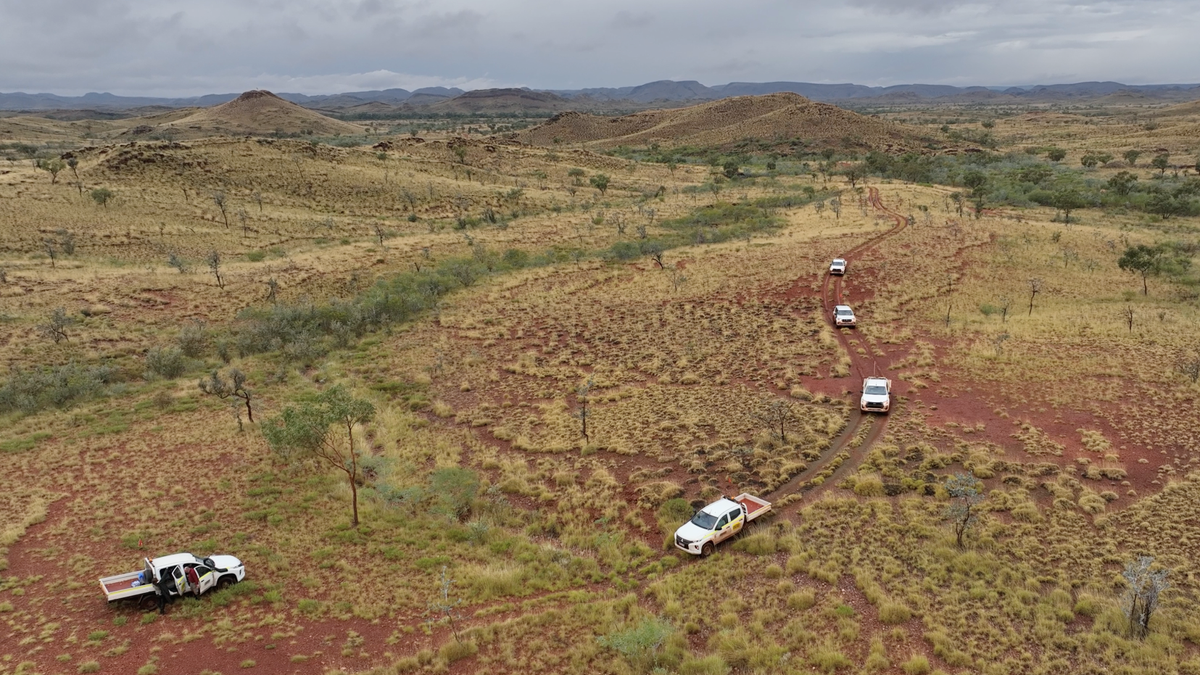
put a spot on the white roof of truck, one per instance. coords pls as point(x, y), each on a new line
point(174, 559)
point(720, 507)
point(875, 380)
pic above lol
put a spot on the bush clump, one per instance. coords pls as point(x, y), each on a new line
point(31, 390)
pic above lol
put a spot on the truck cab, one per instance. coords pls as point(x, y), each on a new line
point(837, 267)
point(717, 522)
point(844, 316)
point(876, 395)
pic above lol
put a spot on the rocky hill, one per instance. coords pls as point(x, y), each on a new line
point(775, 119)
point(260, 113)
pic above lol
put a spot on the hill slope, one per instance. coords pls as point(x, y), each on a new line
point(501, 101)
point(774, 118)
point(261, 112)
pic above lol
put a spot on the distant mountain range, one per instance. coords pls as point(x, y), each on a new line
point(668, 92)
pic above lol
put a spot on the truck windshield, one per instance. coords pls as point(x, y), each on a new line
point(876, 390)
point(704, 520)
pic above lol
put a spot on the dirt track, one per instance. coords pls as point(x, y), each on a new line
point(862, 366)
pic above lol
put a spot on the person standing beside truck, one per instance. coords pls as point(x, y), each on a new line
point(193, 580)
point(160, 588)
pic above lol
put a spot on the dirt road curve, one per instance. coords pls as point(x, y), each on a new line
point(862, 365)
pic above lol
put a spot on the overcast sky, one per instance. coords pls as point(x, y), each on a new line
point(182, 47)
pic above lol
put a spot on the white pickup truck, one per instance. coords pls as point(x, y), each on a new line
point(876, 395)
point(719, 521)
point(171, 572)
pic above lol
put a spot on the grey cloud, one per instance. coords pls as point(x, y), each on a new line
point(625, 19)
point(178, 47)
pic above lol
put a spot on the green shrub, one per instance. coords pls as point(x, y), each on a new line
point(829, 659)
point(256, 256)
point(59, 386)
point(709, 665)
point(916, 665)
point(869, 486)
point(457, 651)
point(455, 489)
point(639, 642)
point(802, 599)
point(165, 362)
point(894, 612)
point(89, 667)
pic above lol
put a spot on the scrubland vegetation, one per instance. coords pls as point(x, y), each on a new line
point(470, 305)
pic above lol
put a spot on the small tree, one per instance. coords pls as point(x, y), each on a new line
point(101, 196)
point(977, 181)
point(583, 395)
point(1145, 585)
point(1067, 200)
point(1144, 260)
point(445, 606)
point(1005, 303)
point(966, 493)
point(74, 165)
point(56, 326)
point(52, 167)
point(777, 416)
point(1131, 157)
point(214, 265)
point(220, 200)
point(1127, 315)
point(1035, 287)
point(835, 205)
point(51, 252)
point(1162, 162)
point(178, 263)
point(234, 388)
point(1055, 154)
point(600, 182)
point(309, 430)
point(1122, 183)
point(854, 174)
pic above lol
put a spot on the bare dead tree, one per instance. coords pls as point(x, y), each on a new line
point(234, 388)
point(583, 395)
point(1005, 303)
point(258, 199)
point(777, 416)
point(51, 252)
point(220, 200)
point(56, 326)
point(1188, 365)
point(243, 217)
point(214, 265)
point(272, 289)
point(1145, 585)
point(1127, 315)
point(1035, 287)
point(998, 342)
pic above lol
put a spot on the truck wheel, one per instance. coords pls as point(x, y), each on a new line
point(147, 602)
point(225, 582)
point(706, 550)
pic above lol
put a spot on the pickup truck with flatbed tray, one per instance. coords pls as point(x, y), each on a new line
point(719, 521)
point(171, 573)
